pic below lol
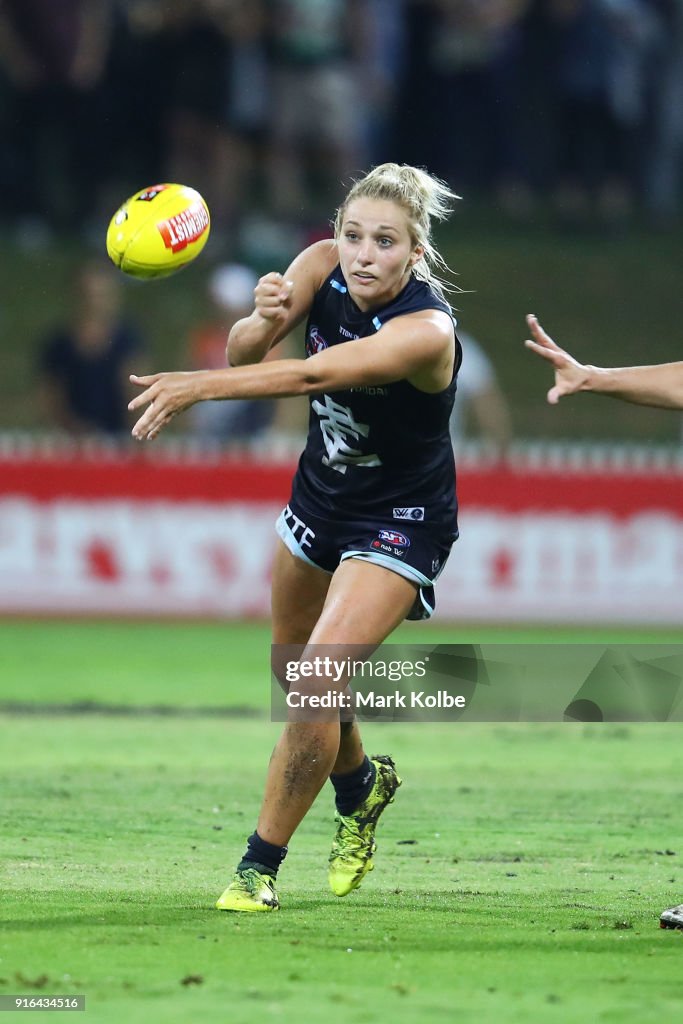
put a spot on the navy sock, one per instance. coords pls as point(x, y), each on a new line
point(352, 788)
point(265, 857)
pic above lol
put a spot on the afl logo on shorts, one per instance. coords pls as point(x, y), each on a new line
point(394, 537)
point(315, 342)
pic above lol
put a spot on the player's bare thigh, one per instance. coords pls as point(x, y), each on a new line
point(364, 604)
point(298, 597)
point(360, 604)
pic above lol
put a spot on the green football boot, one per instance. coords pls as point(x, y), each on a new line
point(250, 891)
point(354, 842)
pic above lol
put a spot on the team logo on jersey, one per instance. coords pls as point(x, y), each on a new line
point(416, 513)
point(339, 426)
point(394, 537)
point(315, 342)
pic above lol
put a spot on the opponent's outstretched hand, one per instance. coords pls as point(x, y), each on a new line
point(570, 375)
point(165, 394)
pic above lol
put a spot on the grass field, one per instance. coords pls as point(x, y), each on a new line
point(519, 875)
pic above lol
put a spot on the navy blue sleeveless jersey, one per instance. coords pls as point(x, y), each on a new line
point(373, 450)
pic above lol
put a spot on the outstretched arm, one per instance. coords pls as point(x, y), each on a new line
point(416, 346)
point(660, 386)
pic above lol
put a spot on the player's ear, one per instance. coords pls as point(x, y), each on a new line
point(416, 255)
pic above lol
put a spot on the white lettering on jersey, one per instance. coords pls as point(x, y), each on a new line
point(338, 425)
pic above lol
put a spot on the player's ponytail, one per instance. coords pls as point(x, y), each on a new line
point(423, 197)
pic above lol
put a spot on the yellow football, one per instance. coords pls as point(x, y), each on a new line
point(158, 231)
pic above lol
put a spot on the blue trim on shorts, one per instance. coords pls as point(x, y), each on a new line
point(429, 608)
point(410, 573)
point(334, 554)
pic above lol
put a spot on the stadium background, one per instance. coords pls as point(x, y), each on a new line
point(570, 177)
point(557, 122)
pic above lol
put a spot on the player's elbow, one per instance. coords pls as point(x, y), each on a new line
point(246, 346)
point(240, 355)
point(314, 380)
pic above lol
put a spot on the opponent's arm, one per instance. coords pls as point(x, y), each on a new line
point(418, 347)
point(280, 303)
point(660, 386)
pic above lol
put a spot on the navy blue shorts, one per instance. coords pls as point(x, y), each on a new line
point(410, 548)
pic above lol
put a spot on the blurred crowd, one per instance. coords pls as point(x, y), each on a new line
point(270, 106)
point(568, 109)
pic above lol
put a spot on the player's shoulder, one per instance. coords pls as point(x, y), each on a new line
point(316, 262)
point(432, 323)
point(307, 273)
point(417, 296)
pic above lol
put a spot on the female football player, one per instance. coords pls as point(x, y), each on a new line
point(372, 515)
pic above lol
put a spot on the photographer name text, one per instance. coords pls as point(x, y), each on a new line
point(358, 701)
